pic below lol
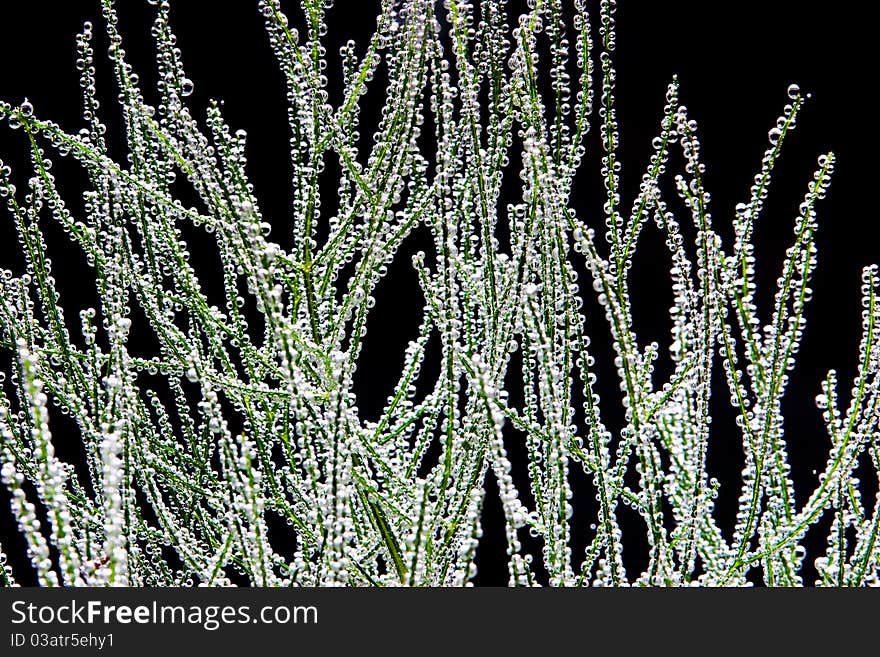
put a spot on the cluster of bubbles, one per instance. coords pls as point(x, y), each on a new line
point(256, 419)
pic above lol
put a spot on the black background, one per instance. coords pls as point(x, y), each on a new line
point(735, 62)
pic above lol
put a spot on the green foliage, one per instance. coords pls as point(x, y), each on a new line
point(192, 450)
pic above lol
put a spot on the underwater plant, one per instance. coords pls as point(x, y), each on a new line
point(214, 395)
